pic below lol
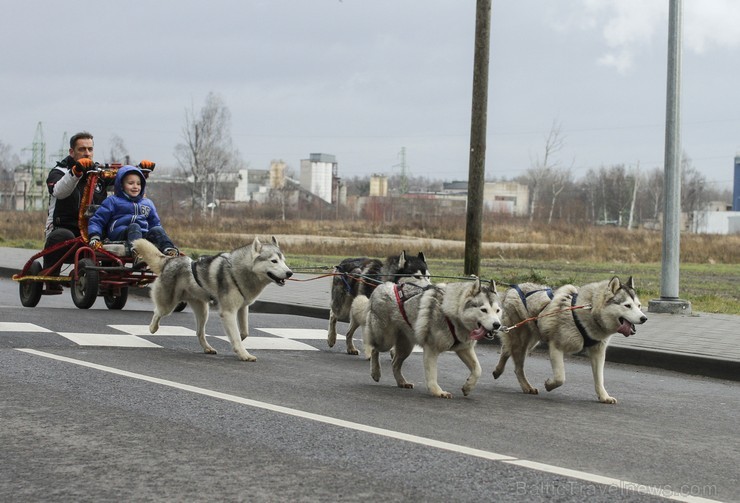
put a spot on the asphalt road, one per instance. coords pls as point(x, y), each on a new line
point(152, 418)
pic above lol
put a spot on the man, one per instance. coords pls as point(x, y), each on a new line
point(66, 182)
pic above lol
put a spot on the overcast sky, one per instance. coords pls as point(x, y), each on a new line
point(362, 79)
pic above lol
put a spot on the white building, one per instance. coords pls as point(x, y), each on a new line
point(715, 222)
point(379, 186)
point(506, 197)
point(317, 174)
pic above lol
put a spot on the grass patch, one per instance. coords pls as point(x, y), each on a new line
point(513, 252)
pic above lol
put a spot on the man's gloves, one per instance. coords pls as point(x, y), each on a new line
point(82, 166)
point(94, 242)
point(146, 167)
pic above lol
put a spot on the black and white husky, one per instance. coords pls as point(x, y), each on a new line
point(360, 276)
point(233, 280)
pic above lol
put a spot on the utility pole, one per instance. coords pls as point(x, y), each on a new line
point(479, 116)
point(669, 301)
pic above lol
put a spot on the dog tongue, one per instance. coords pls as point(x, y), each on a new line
point(478, 333)
point(626, 328)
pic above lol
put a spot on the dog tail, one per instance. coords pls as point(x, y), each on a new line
point(358, 311)
point(358, 314)
point(150, 254)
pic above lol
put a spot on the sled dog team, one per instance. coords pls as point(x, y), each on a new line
point(398, 307)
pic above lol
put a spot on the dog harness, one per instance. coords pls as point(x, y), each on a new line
point(587, 341)
point(194, 269)
point(402, 297)
point(524, 296)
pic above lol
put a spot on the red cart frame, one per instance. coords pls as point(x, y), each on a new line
point(98, 271)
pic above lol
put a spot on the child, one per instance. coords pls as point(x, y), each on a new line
point(129, 215)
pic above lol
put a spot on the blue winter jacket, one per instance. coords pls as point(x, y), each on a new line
point(117, 212)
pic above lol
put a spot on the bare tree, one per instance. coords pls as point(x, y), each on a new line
point(118, 151)
point(655, 190)
point(558, 180)
point(636, 183)
point(207, 150)
point(693, 185)
point(541, 170)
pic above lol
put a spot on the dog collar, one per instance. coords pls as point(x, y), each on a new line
point(587, 341)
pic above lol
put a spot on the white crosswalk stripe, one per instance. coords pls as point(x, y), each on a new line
point(9, 326)
point(132, 336)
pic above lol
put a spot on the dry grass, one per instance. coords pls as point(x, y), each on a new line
point(511, 252)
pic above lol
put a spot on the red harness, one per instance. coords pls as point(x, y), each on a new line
point(401, 298)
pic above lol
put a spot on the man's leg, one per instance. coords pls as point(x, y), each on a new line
point(58, 235)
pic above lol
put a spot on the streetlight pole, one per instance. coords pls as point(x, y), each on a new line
point(669, 301)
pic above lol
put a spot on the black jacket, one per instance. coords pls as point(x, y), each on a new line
point(65, 195)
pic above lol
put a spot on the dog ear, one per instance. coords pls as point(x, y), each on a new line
point(493, 287)
point(275, 242)
point(421, 257)
point(402, 260)
point(476, 285)
point(256, 245)
point(630, 283)
point(614, 285)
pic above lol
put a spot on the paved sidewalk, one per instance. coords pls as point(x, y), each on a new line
point(702, 343)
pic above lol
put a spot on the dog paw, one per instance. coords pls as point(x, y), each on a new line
point(210, 351)
point(497, 373)
point(551, 385)
point(406, 385)
point(444, 394)
point(608, 399)
point(531, 391)
point(331, 341)
point(352, 351)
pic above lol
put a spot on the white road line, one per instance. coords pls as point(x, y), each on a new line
point(10, 326)
point(612, 484)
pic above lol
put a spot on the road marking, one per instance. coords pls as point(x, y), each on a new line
point(612, 484)
point(9, 326)
point(115, 340)
point(271, 343)
point(309, 333)
point(163, 330)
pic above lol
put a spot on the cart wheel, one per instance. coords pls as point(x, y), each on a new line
point(182, 305)
point(30, 291)
point(85, 289)
point(116, 301)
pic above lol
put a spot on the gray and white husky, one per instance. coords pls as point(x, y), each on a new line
point(519, 303)
point(233, 280)
point(615, 308)
point(444, 317)
point(360, 276)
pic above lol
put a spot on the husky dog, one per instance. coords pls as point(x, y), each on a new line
point(614, 308)
point(445, 317)
point(348, 285)
point(233, 280)
point(519, 303)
